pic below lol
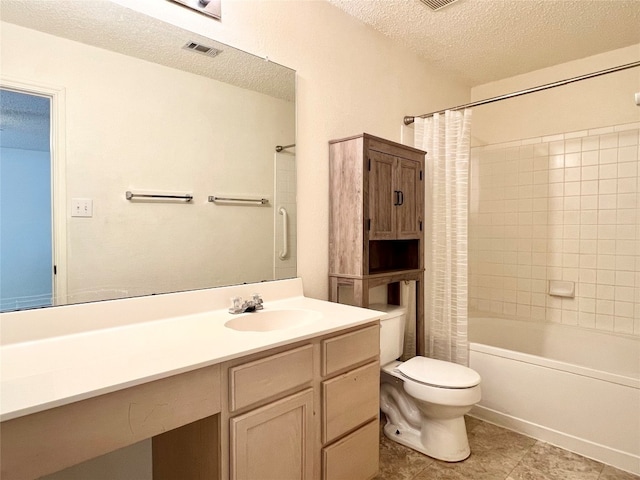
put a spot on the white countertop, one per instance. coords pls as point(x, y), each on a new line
point(45, 372)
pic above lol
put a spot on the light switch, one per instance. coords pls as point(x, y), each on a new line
point(81, 207)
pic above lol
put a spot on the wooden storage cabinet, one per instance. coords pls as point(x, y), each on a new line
point(376, 220)
point(350, 405)
point(376, 195)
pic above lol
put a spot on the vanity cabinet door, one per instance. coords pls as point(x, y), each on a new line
point(275, 441)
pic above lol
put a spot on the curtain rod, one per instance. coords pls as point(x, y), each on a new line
point(408, 120)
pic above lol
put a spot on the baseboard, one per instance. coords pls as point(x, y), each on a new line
point(616, 458)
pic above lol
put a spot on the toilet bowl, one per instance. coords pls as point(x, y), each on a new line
point(423, 399)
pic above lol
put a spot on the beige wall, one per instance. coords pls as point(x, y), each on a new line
point(598, 102)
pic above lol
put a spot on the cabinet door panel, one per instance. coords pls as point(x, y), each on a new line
point(274, 442)
point(409, 213)
point(381, 196)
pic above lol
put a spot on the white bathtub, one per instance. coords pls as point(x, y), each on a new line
point(575, 388)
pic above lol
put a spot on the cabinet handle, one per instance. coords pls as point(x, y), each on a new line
point(400, 197)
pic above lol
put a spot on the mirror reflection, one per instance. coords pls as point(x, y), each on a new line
point(127, 103)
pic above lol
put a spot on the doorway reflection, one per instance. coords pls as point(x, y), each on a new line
point(26, 242)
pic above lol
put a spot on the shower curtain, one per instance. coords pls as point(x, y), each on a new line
point(446, 139)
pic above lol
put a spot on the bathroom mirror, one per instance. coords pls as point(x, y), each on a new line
point(142, 106)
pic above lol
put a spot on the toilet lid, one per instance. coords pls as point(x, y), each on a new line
point(439, 373)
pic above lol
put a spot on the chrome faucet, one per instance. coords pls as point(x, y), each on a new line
point(238, 306)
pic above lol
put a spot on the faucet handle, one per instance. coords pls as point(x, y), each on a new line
point(236, 303)
point(257, 301)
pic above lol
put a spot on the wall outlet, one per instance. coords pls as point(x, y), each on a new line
point(81, 207)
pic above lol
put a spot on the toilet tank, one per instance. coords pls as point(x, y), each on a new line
point(392, 325)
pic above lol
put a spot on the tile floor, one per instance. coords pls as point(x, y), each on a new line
point(496, 454)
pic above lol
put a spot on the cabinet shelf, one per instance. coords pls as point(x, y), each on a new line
point(394, 255)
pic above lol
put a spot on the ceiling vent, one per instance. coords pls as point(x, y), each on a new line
point(203, 49)
point(437, 4)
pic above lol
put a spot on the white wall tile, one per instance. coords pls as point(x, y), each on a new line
point(609, 141)
point(587, 320)
point(628, 154)
point(604, 322)
point(609, 155)
point(623, 325)
point(590, 143)
point(629, 137)
point(589, 172)
point(559, 207)
point(627, 185)
point(608, 171)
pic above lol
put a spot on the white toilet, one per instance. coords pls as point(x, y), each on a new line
point(423, 399)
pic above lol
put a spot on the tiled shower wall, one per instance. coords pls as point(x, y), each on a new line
point(561, 207)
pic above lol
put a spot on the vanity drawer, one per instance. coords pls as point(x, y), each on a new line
point(349, 400)
point(262, 379)
point(355, 457)
point(350, 349)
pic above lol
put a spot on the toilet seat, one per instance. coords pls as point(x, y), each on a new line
point(439, 374)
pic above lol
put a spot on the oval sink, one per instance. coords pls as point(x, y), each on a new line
point(267, 320)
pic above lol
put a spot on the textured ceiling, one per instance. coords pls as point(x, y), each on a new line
point(480, 41)
point(24, 121)
point(110, 26)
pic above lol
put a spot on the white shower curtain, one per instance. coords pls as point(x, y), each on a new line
point(446, 139)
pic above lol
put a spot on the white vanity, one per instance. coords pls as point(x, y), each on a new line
point(297, 400)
